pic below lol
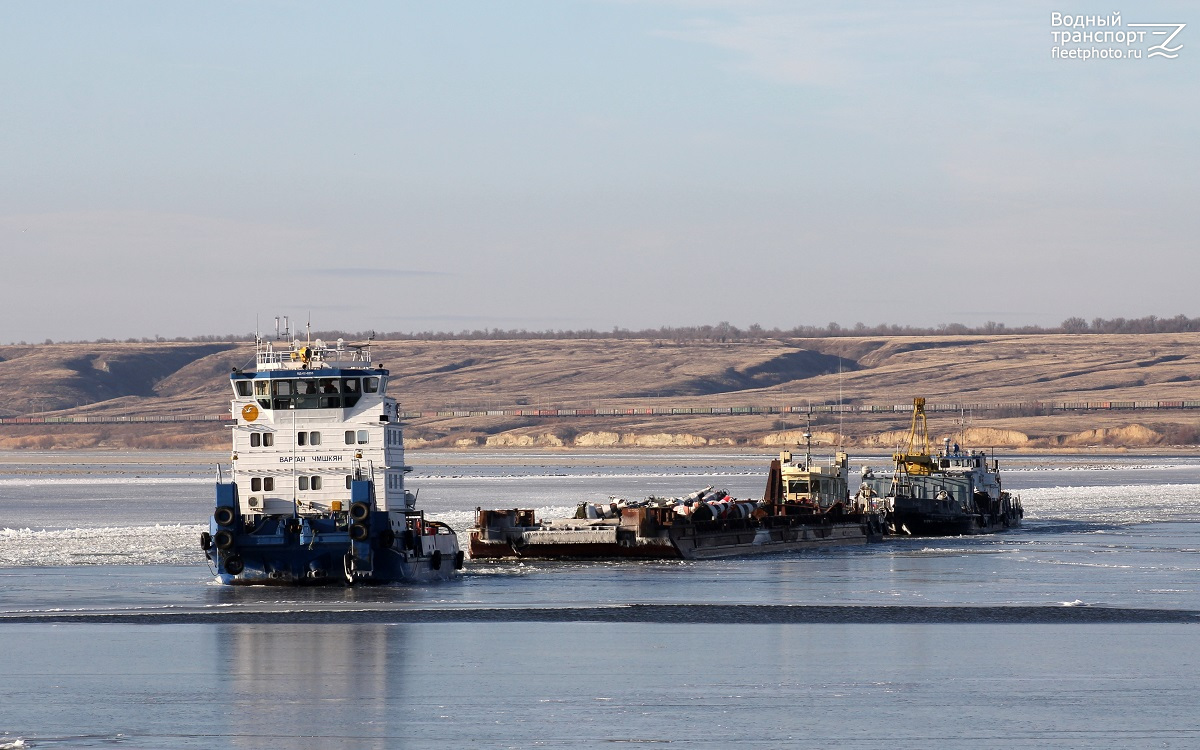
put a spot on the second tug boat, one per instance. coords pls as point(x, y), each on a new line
point(317, 490)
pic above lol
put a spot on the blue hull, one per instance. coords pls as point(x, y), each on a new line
point(325, 550)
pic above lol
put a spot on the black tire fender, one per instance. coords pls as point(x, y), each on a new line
point(223, 539)
point(234, 565)
point(435, 560)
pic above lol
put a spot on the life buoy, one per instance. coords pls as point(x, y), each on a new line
point(223, 516)
point(435, 560)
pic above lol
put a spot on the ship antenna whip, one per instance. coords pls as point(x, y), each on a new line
point(841, 437)
point(962, 425)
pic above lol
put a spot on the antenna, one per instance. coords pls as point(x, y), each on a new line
point(841, 437)
point(308, 327)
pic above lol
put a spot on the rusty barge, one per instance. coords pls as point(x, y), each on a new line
point(805, 506)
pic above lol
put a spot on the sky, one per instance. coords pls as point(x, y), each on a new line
point(186, 169)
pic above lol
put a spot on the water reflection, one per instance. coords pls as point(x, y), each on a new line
point(325, 682)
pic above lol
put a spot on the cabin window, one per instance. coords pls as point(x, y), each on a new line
point(314, 438)
point(282, 387)
point(362, 437)
point(269, 484)
point(268, 439)
point(316, 483)
point(371, 385)
point(243, 387)
point(256, 484)
point(255, 440)
point(262, 391)
point(329, 385)
point(303, 482)
point(350, 391)
point(301, 438)
point(306, 395)
point(798, 485)
point(349, 437)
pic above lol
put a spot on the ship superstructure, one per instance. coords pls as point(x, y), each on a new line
point(316, 492)
point(948, 493)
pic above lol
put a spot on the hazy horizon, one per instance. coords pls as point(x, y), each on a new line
point(175, 170)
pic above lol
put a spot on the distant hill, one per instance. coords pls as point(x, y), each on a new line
point(192, 378)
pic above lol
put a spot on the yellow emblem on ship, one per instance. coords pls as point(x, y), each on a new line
point(249, 412)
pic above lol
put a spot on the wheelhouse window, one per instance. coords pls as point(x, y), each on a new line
point(243, 387)
point(309, 393)
point(351, 391)
point(306, 395)
point(262, 393)
point(371, 385)
point(282, 391)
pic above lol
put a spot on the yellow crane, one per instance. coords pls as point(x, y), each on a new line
point(916, 459)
